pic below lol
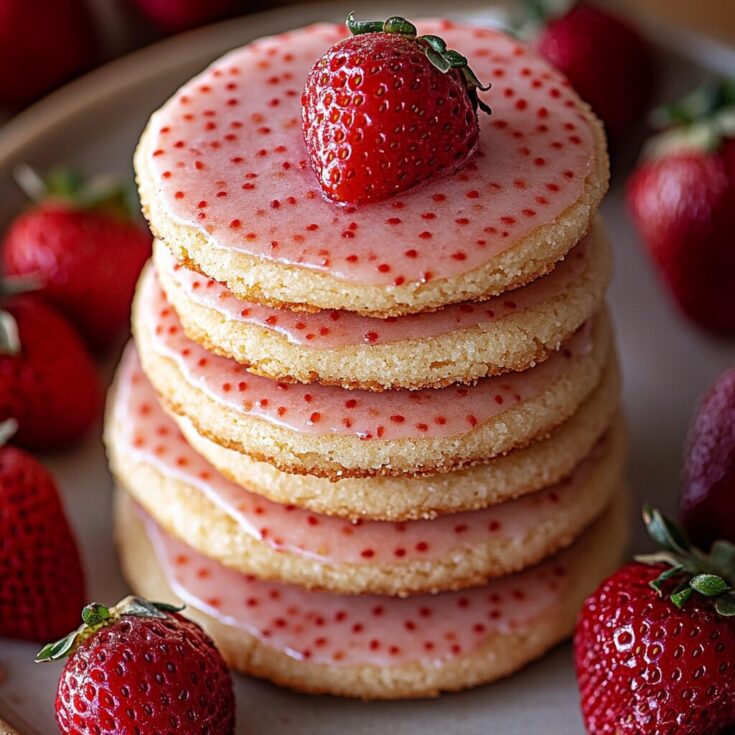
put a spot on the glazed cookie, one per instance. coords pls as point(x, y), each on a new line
point(244, 531)
point(369, 646)
point(459, 343)
point(332, 432)
point(225, 184)
point(402, 498)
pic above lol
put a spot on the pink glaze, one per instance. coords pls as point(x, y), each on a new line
point(227, 156)
point(321, 410)
point(343, 630)
point(151, 437)
point(330, 329)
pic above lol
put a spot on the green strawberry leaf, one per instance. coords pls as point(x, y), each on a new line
point(722, 557)
point(709, 585)
point(667, 574)
point(664, 532)
point(58, 649)
point(96, 616)
point(681, 595)
point(709, 575)
point(438, 44)
point(435, 49)
point(100, 193)
point(725, 605)
point(438, 60)
point(396, 24)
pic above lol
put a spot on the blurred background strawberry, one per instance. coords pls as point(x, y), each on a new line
point(48, 382)
point(606, 59)
point(172, 16)
point(42, 44)
point(682, 201)
point(81, 243)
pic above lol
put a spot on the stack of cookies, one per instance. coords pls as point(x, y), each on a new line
point(374, 448)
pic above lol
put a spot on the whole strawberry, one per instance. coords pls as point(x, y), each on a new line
point(48, 382)
point(80, 242)
point(385, 109)
point(141, 667)
point(655, 645)
point(708, 486)
point(179, 15)
point(681, 199)
point(607, 61)
point(41, 577)
point(42, 44)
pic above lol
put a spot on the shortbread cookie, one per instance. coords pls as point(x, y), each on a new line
point(369, 646)
point(402, 498)
point(225, 183)
point(459, 343)
point(333, 432)
point(244, 531)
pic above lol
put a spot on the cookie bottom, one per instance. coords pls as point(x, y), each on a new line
point(497, 655)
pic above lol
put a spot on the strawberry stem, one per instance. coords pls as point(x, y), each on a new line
point(435, 49)
point(7, 429)
point(533, 15)
point(102, 193)
point(701, 104)
point(708, 575)
point(9, 337)
point(699, 121)
point(96, 616)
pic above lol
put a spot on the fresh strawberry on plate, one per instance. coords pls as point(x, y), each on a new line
point(386, 109)
point(48, 381)
point(80, 242)
point(606, 59)
point(682, 201)
point(141, 667)
point(655, 643)
point(708, 483)
point(41, 577)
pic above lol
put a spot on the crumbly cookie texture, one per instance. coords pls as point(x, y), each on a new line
point(259, 224)
point(511, 332)
point(400, 498)
point(497, 652)
point(223, 521)
point(193, 387)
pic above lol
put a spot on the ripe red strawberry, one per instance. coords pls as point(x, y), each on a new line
point(81, 243)
point(607, 61)
point(655, 645)
point(681, 199)
point(48, 382)
point(41, 577)
point(141, 667)
point(385, 110)
point(178, 15)
point(42, 44)
point(708, 488)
